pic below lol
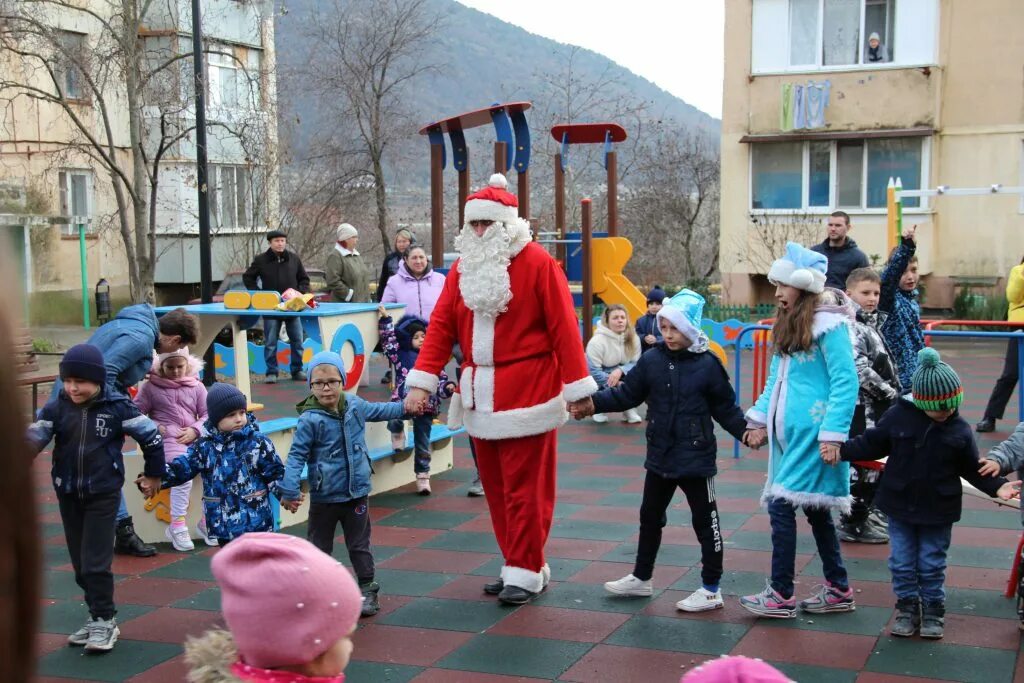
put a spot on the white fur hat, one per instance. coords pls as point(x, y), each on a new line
point(345, 231)
point(801, 268)
point(493, 203)
point(685, 311)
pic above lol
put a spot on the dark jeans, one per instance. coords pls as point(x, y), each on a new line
point(89, 532)
point(917, 560)
point(354, 516)
point(783, 519)
point(864, 483)
point(271, 332)
point(1003, 389)
point(421, 425)
point(700, 496)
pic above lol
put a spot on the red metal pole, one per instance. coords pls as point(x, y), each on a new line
point(613, 195)
point(463, 193)
point(437, 205)
point(499, 157)
point(524, 195)
point(588, 284)
point(560, 250)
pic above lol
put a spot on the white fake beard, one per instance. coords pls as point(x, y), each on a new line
point(483, 269)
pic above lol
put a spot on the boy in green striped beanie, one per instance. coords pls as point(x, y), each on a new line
point(935, 386)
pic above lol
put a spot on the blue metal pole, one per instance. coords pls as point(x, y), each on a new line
point(1020, 377)
point(737, 377)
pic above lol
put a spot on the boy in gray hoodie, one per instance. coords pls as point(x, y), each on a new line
point(1004, 458)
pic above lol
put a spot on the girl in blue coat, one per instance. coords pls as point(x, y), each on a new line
point(805, 412)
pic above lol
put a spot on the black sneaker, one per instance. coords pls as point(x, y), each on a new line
point(514, 595)
point(127, 542)
point(987, 424)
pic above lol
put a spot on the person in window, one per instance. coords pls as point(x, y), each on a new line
point(876, 52)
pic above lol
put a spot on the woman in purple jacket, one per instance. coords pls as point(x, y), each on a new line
point(415, 284)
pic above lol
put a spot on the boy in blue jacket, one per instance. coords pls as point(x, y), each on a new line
point(929, 448)
point(901, 329)
point(330, 442)
point(89, 421)
point(685, 388)
point(647, 324)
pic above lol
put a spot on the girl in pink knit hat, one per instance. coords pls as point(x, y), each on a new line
point(174, 397)
point(290, 610)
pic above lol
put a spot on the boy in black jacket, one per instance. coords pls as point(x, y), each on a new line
point(89, 421)
point(684, 387)
point(929, 447)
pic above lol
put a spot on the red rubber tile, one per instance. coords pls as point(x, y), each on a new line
point(976, 577)
point(388, 604)
point(615, 471)
point(874, 593)
point(600, 572)
point(816, 648)
point(865, 551)
point(403, 537)
point(990, 538)
point(401, 645)
point(635, 486)
point(665, 606)
point(170, 625)
point(608, 513)
point(426, 560)
point(578, 549)
point(481, 524)
point(615, 664)
point(757, 560)
point(454, 504)
point(870, 677)
point(734, 505)
point(560, 623)
point(580, 496)
point(142, 590)
point(450, 676)
point(465, 588)
point(571, 458)
point(963, 629)
point(50, 642)
point(377, 513)
point(171, 671)
point(742, 477)
point(127, 564)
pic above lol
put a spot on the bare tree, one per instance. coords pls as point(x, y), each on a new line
point(766, 236)
point(364, 56)
point(111, 72)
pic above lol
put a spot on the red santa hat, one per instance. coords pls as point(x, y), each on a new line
point(493, 203)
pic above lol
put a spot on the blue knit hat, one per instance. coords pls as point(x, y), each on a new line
point(84, 361)
point(685, 311)
point(222, 399)
point(656, 295)
point(325, 358)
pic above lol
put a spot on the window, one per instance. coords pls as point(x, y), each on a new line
point(811, 35)
point(234, 198)
point(69, 58)
point(233, 76)
point(75, 189)
point(846, 174)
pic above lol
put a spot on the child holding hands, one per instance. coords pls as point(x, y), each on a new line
point(685, 387)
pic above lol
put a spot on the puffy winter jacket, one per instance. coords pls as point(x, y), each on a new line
point(240, 471)
point(1015, 294)
point(276, 272)
point(334, 449)
point(842, 261)
point(902, 329)
point(348, 278)
point(418, 294)
point(396, 343)
point(879, 381)
point(1009, 455)
point(645, 325)
point(684, 391)
point(87, 458)
point(174, 405)
point(608, 350)
point(926, 460)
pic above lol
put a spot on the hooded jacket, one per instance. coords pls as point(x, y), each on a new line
point(396, 343)
point(842, 261)
point(87, 454)
point(333, 449)
point(418, 294)
point(277, 272)
point(902, 328)
point(879, 381)
point(174, 404)
point(608, 350)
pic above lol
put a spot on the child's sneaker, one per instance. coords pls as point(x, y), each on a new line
point(829, 598)
point(908, 618)
point(701, 600)
point(768, 603)
point(632, 417)
point(204, 533)
point(423, 483)
point(81, 636)
point(630, 585)
point(179, 538)
point(476, 489)
point(600, 418)
point(933, 620)
point(398, 440)
point(103, 634)
point(371, 604)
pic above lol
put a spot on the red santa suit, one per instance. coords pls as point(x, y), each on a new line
point(522, 363)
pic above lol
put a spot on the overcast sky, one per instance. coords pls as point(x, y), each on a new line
point(676, 44)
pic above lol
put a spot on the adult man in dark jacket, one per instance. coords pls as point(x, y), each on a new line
point(842, 253)
point(277, 270)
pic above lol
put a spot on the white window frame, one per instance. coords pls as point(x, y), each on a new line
point(219, 64)
point(833, 189)
point(64, 69)
point(217, 197)
point(64, 183)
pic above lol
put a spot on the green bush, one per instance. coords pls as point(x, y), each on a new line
point(971, 305)
point(40, 345)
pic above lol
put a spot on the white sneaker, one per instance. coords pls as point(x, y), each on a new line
point(423, 484)
point(600, 418)
point(179, 538)
point(630, 585)
point(632, 417)
point(701, 601)
point(204, 533)
point(103, 634)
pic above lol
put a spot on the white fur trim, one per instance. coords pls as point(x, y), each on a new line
point(518, 422)
point(786, 273)
point(581, 388)
point(486, 210)
point(679, 321)
point(519, 232)
point(483, 388)
point(755, 416)
point(455, 413)
point(826, 322)
point(833, 437)
point(418, 379)
point(523, 578)
point(483, 339)
point(546, 571)
point(466, 388)
point(803, 499)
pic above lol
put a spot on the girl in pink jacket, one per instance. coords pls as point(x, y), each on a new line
point(175, 398)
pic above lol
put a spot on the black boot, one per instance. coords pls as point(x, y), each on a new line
point(987, 424)
point(933, 620)
point(514, 595)
point(127, 542)
point(908, 617)
point(371, 605)
point(494, 587)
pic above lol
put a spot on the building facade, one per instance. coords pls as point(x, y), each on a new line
point(818, 116)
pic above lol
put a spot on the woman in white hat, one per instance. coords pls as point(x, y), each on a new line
point(348, 278)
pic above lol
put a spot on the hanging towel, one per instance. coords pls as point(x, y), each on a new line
point(787, 107)
point(817, 96)
point(799, 107)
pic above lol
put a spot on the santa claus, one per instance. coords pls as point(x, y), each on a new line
point(507, 304)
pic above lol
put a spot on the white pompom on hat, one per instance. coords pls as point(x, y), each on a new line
point(493, 203)
point(345, 231)
point(801, 268)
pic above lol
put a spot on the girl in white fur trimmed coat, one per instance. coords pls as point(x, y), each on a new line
point(615, 349)
point(804, 413)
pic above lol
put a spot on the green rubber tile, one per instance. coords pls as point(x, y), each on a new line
point(566, 469)
point(299, 530)
point(463, 474)
point(636, 461)
point(563, 568)
point(376, 672)
point(748, 465)
point(129, 657)
point(515, 656)
point(762, 540)
point(858, 569)
point(806, 672)
point(401, 582)
point(979, 603)
point(208, 600)
point(48, 507)
point(67, 616)
point(492, 568)
point(464, 541)
point(668, 554)
point(55, 555)
point(585, 483)
point(729, 521)
point(59, 585)
point(563, 510)
point(991, 519)
point(864, 621)
point(914, 657)
point(194, 567)
point(729, 489)
point(397, 501)
point(426, 519)
point(50, 529)
point(732, 583)
point(590, 597)
point(679, 635)
point(973, 556)
point(592, 531)
point(447, 615)
point(624, 499)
